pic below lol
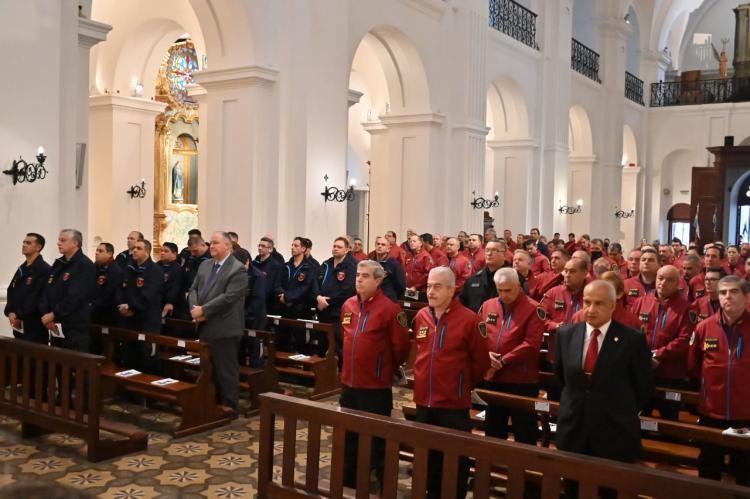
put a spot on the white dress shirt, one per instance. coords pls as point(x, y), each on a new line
point(589, 335)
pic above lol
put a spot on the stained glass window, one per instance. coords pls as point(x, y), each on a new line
point(183, 61)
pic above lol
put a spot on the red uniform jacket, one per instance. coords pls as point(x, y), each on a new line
point(667, 328)
point(547, 281)
point(477, 259)
point(697, 286)
point(515, 331)
point(622, 267)
point(461, 267)
point(359, 255)
point(621, 315)
point(376, 341)
point(439, 258)
point(540, 264)
point(560, 306)
point(704, 307)
point(738, 269)
point(635, 288)
point(717, 356)
point(452, 356)
point(417, 267)
point(532, 283)
point(679, 262)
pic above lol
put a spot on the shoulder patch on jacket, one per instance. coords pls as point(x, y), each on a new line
point(402, 320)
point(483, 329)
point(693, 316)
point(541, 313)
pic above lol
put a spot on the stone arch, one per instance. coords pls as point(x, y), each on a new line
point(507, 113)
point(668, 25)
point(629, 147)
point(580, 138)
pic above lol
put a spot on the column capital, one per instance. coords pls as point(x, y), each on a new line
point(354, 96)
point(426, 118)
point(631, 170)
point(497, 145)
point(126, 103)
point(91, 32)
point(236, 77)
point(473, 128)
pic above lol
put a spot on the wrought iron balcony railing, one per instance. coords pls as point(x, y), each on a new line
point(514, 20)
point(633, 88)
point(584, 60)
point(684, 93)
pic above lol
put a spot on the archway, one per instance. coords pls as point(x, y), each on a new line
point(629, 147)
point(581, 162)
point(391, 132)
point(678, 220)
point(674, 184)
point(739, 211)
point(509, 154)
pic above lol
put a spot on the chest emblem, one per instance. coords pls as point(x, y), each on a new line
point(700, 292)
point(346, 319)
point(633, 292)
point(492, 318)
point(422, 332)
point(101, 280)
point(559, 305)
point(166, 276)
point(341, 276)
point(643, 317)
point(29, 280)
point(66, 276)
point(710, 344)
point(139, 282)
point(301, 277)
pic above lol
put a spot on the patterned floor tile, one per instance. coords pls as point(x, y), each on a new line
point(11, 452)
point(6, 479)
point(139, 462)
point(230, 436)
point(46, 465)
point(188, 449)
point(87, 479)
point(230, 490)
point(229, 461)
point(183, 477)
point(130, 492)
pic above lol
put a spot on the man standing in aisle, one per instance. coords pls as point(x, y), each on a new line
point(25, 291)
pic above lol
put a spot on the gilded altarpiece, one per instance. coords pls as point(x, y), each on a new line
point(177, 148)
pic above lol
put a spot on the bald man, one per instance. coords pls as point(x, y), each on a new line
point(603, 368)
point(667, 321)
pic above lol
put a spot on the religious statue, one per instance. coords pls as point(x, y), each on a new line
point(722, 58)
point(177, 182)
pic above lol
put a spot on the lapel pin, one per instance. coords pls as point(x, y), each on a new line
point(617, 339)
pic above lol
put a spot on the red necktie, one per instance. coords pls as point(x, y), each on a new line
point(592, 352)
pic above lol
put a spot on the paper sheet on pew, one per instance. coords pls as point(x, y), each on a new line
point(480, 415)
point(194, 361)
point(181, 358)
point(164, 382)
point(128, 373)
point(299, 356)
point(737, 432)
point(57, 332)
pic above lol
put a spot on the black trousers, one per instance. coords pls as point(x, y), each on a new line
point(711, 458)
point(330, 316)
point(225, 356)
point(457, 419)
point(668, 409)
point(78, 339)
point(524, 422)
point(293, 339)
point(376, 401)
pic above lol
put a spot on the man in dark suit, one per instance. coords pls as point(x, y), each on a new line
point(216, 300)
point(604, 369)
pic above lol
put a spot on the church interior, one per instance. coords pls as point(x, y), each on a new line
point(625, 121)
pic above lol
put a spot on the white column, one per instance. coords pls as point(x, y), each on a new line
point(121, 153)
point(404, 148)
point(613, 33)
point(628, 201)
point(510, 167)
point(238, 178)
point(580, 187)
point(553, 114)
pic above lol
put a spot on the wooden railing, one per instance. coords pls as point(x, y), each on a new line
point(488, 455)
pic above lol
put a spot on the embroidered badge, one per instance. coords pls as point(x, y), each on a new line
point(710, 344)
point(166, 276)
point(340, 276)
point(28, 281)
point(541, 313)
point(66, 276)
point(101, 280)
point(693, 316)
point(492, 318)
point(702, 317)
point(633, 292)
point(51, 279)
point(301, 277)
point(643, 317)
point(139, 282)
point(483, 329)
point(402, 319)
point(700, 292)
point(346, 319)
point(559, 305)
point(422, 333)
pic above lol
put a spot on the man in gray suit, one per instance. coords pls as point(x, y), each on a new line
point(216, 301)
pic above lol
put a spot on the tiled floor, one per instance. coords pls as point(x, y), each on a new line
point(218, 464)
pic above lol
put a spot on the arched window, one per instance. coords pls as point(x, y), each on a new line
point(678, 217)
point(184, 171)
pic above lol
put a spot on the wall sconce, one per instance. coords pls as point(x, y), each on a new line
point(137, 191)
point(336, 194)
point(21, 171)
point(624, 214)
point(480, 203)
point(565, 209)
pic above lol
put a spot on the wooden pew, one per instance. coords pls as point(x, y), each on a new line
point(50, 408)
point(257, 380)
point(411, 308)
point(517, 461)
point(253, 380)
point(322, 372)
point(195, 399)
